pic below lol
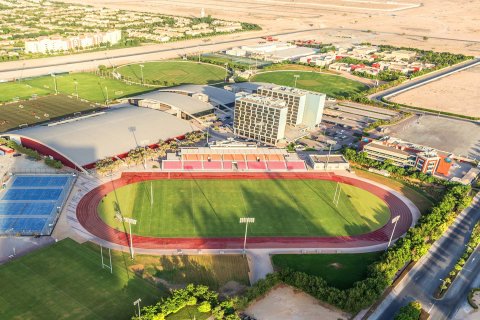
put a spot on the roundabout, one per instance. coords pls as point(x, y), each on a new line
point(204, 210)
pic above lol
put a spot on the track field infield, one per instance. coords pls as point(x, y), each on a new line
point(213, 207)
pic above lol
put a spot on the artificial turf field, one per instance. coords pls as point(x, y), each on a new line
point(212, 208)
point(331, 85)
point(41, 109)
point(339, 270)
point(66, 281)
point(174, 72)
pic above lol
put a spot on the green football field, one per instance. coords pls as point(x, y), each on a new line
point(41, 109)
point(66, 281)
point(331, 85)
point(212, 208)
point(89, 86)
point(174, 72)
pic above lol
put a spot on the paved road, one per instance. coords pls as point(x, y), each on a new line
point(423, 280)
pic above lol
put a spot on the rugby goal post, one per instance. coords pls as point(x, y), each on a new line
point(104, 265)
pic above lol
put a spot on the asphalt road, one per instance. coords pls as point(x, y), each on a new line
point(424, 279)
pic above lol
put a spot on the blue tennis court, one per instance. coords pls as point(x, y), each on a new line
point(31, 204)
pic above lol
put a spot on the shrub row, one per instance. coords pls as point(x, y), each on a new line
point(200, 296)
point(411, 311)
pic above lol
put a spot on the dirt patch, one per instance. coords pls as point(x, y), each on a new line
point(336, 265)
point(286, 303)
point(232, 288)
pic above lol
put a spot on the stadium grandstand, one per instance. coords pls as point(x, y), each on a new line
point(233, 158)
point(80, 142)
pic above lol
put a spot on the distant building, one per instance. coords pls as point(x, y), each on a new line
point(260, 118)
point(399, 55)
point(321, 60)
point(404, 154)
point(328, 163)
point(57, 44)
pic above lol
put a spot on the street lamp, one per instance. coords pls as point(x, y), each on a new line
point(141, 71)
point(394, 220)
point(296, 76)
point(246, 220)
point(130, 221)
point(106, 92)
point(137, 303)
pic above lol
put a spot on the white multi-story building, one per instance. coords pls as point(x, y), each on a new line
point(57, 44)
point(304, 107)
point(260, 118)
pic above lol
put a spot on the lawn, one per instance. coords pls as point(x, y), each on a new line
point(66, 281)
point(174, 72)
point(90, 87)
point(339, 270)
point(420, 198)
point(39, 110)
point(212, 208)
point(332, 85)
point(211, 270)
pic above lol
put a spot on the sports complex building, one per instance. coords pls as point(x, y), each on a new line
point(80, 142)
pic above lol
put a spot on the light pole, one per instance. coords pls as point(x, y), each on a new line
point(76, 87)
point(55, 82)
point(394, 220)
point(106, 92)
point(330, 144)
point(246, 220)
point(296, 76)
point(130, 221)
point(137, 303)
point(226, 71)
point(141, 71)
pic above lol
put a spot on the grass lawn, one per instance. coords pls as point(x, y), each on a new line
point(174, 72)
point(66, 281)
point(212, 208)
point(211, 270)
point(423, 201)
point(189, 313)
point(339, 270)
point(332, 85)
point(41, 109)
point(90, 87)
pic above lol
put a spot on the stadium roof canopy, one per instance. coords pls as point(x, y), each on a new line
point(216, 95)
point(182, 102)
point(86, 140)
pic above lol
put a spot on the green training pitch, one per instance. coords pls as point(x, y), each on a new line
point(174, 72)
point(12, 115)
point(89, 87)
point(331, 85)
point(66, 281)
point(339, 270)
point(212, 208)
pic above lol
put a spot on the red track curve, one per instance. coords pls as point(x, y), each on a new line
point(88, 217)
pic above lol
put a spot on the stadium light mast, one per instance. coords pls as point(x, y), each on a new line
point(296, 76)
point(130, 221)
point(141, 71)
point(394, 221)
point(226, 71)
point(330, 144)
point(246, 220)
point(137, 303)
point(76, 87)
point(106, 92)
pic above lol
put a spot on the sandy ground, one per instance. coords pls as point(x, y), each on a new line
point(458, 93)
point(287, 303)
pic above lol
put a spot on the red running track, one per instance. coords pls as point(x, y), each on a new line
point(88, 217)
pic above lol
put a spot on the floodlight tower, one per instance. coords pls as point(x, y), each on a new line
point(130, 221)
point(296, 76)
point(137, 303)
point(141, 71)
point(394, 221)
point(246, 220)
point(330, 144)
